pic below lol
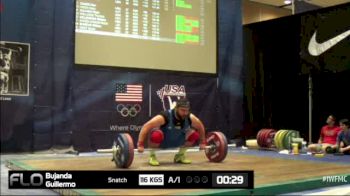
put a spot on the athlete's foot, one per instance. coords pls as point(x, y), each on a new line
point(181, 158)
point(153, 160)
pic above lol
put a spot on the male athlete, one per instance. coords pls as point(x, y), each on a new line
point(343, 141)
point(328, 136)
point(173, 128)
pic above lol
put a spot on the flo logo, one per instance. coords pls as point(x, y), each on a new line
point(16, 180)
point(169, 94)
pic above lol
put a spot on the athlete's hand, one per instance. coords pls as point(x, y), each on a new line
point(202, 145)
point(140, 147)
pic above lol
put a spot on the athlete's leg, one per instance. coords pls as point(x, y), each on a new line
point(155, 140)
point(191, 138)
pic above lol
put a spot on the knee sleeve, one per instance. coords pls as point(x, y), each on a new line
point(193, 137)
point(157, 136)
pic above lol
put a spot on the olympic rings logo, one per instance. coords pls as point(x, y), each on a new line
point(128, 109)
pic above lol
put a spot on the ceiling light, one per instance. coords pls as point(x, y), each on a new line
point(287, 1)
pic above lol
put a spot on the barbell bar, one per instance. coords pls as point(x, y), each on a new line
point(115, 147)
point(123, 149)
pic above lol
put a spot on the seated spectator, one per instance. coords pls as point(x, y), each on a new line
point(328, 137)
point(343, 141)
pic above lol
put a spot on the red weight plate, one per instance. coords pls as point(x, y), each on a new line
point(269, 138)
point(125, 155)
point(218, 140)
point(258, 137)
point(264, 136)
point(131, 150)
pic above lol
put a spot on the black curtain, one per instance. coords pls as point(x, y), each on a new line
point(230, 74)
point(275, 92)
point(278, 64)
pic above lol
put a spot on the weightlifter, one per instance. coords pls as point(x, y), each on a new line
point(171, 129)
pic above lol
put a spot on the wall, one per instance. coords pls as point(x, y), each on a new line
point(75, 105)
point(257, 12)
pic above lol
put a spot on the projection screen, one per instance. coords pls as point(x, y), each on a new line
point(176, 35)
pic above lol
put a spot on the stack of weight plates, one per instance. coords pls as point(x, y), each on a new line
point(265, 138)
point(283, 138)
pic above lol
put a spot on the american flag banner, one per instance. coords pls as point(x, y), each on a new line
point(128, 93)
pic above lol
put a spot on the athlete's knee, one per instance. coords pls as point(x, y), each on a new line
point(193, 137)
point(157, 136)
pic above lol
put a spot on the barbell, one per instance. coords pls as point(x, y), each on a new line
point(123, 148)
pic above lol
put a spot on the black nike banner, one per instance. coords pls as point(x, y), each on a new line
point(325, 39)
point(281, 53)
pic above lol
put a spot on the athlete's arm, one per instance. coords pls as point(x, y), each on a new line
point(198, 125)
point(155, 122)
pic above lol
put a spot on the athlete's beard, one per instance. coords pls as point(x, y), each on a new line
point(179, 116)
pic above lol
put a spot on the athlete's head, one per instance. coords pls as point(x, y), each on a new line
point(182, 108)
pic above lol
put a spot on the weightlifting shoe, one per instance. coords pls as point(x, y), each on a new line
point(153, 160)
point(180, 158)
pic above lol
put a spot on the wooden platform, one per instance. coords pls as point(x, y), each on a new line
point(270, 173)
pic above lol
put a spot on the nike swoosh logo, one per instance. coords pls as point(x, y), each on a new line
point(315, 49)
